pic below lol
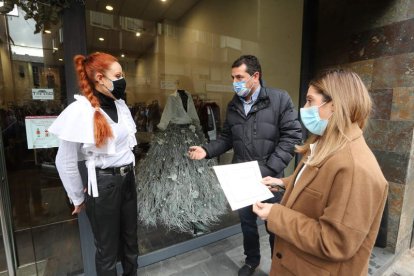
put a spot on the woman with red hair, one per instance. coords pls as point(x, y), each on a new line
point(98, 128)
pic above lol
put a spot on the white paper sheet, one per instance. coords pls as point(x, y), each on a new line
point(241, 184)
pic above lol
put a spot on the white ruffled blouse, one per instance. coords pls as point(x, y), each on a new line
point(74, 127)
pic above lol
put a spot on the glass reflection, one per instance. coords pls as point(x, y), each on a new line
point(169, 55)
point(190, 45)
point(41, 212)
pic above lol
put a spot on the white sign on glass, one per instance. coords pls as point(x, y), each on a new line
point(42, 94)
point(37, 134)
point(168, 84)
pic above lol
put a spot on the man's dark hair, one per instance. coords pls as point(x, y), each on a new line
point(252, 64)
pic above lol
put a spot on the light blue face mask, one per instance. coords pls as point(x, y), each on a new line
point(240, 88)
point(312, 121)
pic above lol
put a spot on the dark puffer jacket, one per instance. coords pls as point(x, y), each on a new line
point(268, 133)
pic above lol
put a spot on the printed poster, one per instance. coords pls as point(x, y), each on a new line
point(37, 134)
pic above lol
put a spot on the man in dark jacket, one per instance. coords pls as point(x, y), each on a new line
point(261, 124)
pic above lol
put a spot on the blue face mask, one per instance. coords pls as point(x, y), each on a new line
point(240, 88)
point(312, 121)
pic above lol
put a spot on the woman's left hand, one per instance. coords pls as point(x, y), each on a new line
point(78, 208)
point(274, 184)
point(262, 210)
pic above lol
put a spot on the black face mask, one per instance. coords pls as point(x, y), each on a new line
point(118, 88)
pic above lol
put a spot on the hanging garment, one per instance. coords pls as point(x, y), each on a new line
point(210, 119)
point(212, 132)
point(174, 111)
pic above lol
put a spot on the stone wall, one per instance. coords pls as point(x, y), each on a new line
point(376, 40)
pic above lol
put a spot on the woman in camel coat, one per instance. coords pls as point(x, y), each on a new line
point(329, 217)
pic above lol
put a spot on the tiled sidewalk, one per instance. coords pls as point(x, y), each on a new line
point(404, 266)
point(223, 258)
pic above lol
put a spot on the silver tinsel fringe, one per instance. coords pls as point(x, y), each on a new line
point(175, 191)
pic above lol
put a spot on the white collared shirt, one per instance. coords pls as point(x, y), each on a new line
point(312, 153)
point(247, 105)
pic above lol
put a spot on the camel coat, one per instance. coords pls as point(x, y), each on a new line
point(327, 222)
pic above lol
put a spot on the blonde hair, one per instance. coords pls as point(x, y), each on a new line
point(351, 104)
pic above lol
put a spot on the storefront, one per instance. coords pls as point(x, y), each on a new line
point(163, 46)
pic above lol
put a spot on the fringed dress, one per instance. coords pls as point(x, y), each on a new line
point(173, 190)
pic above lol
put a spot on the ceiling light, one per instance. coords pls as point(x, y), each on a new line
point(61, 59)
point(47, 31)
point(163, 0)
point(101, 39)
point(122, 55)
point(138, 34)
point(109, 8)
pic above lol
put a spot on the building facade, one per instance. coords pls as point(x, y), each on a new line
point(163, 46)
point(190, 45)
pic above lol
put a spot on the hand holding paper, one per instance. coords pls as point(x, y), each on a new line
point(262, 210)
point(241, 184)
point(274, 184)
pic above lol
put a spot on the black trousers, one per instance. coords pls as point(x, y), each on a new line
point(113, 218)
point(251, 243)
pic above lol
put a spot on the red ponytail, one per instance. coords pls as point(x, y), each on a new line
point(86, 68)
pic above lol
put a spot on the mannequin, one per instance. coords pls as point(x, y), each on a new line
point(181, 194)
point(184, 98)
point(179, 110)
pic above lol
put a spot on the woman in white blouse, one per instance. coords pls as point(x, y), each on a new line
point(99, 129)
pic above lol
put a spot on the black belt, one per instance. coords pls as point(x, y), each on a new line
point(123, 170)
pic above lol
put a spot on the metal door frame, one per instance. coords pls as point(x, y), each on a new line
point(5, 215)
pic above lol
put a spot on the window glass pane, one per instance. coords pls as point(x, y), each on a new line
point(190, 45)
point(32, 83)
point(25, 41)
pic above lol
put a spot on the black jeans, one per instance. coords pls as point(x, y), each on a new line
point(113, 217)
point(251, 242)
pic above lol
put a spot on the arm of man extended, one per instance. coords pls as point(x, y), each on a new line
point(223, 143)
point(290, 131)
